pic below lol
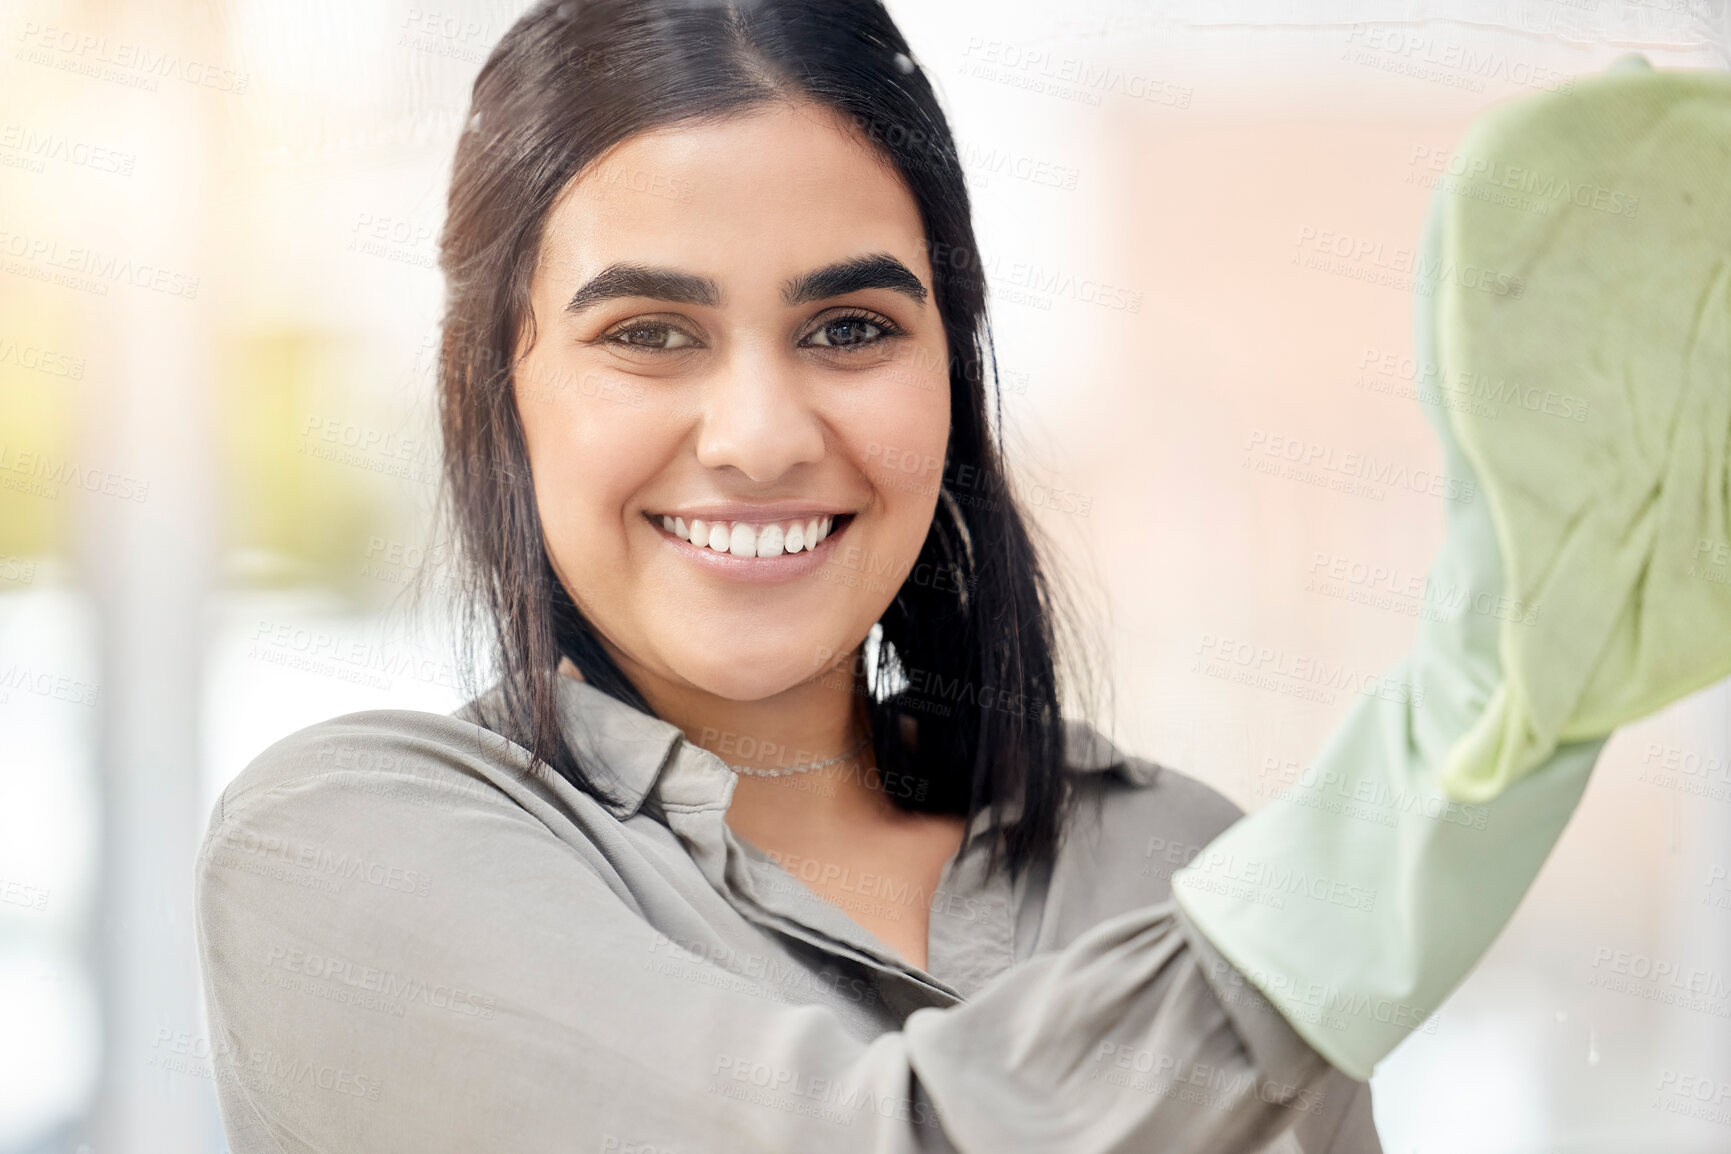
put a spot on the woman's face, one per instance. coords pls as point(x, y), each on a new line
point(735, 334)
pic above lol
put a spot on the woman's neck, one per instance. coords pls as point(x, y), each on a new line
point(816, 721)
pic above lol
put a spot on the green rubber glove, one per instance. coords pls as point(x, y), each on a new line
point(1605, 460)
point(1358, 900)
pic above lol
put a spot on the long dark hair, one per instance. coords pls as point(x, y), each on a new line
point(967, 647)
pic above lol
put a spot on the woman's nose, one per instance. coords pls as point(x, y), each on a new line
point(758, 417)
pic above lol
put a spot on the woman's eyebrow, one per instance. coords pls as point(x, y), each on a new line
point(878, 270)
point(635, 280)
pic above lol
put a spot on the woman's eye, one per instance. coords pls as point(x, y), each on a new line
point(658, 337)
point(847, 332)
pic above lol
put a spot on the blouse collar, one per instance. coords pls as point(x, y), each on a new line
point(628, 750)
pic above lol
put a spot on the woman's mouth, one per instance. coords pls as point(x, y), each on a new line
point(784, 537)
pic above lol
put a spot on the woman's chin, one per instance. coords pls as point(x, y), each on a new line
point(753, 675)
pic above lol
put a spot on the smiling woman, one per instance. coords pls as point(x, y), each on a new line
point(691, 527)
point(757, 357)
point(699, 871)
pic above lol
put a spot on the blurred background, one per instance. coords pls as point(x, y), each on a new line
point(218, 307)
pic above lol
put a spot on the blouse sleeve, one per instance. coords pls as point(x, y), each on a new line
point(388, 970)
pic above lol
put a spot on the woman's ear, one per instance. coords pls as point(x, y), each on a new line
point(566, 669)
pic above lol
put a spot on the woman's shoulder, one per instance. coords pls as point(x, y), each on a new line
point(364, 808)
point(1134, 823)
point(413, 755)
point(1164, 811)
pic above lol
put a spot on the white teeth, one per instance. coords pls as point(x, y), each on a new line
point(769, 542)
point(743, 542)
point(745, 539)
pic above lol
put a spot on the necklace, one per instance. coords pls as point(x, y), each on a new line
point(752, 771)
